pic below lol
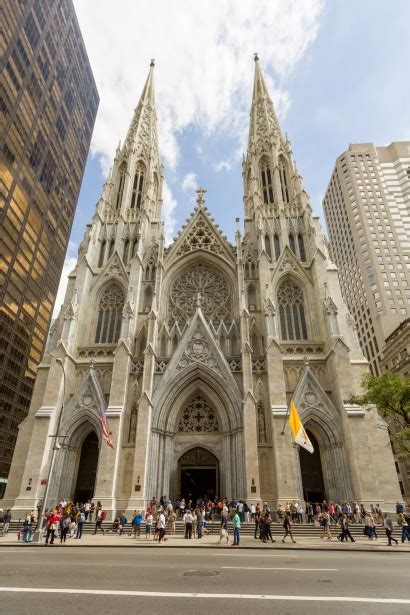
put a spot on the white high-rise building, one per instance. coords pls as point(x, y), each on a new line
point(194, 350)
point(367, 210)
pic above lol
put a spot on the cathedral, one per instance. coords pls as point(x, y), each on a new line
point(194, 350)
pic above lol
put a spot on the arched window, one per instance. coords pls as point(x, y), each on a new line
point(134, 248)
point(123, 171)
point(126, 251)
point(111, 248)
point(102, 253)
point(110, 315)
point(284, 184)
point(291, 311)
point(251, 297)
point(276, 243)
point(301, 244)
point(267, 187)
point(137, 187)
point(267, 246)
point(292, 243)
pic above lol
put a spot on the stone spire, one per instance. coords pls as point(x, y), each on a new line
point(264, 124)
point(142, 133)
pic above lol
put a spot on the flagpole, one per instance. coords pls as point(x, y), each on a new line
point(282, 433)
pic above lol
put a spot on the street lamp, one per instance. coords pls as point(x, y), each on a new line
point(56, 447)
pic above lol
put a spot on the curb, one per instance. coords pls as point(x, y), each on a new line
point(249, 548)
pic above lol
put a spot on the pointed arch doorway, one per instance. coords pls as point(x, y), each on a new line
point(197, 475)
point(312, 473)
point(87, 469)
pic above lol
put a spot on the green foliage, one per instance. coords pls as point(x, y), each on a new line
point(390, 393)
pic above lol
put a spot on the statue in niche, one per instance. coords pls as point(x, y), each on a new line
point(133, 424)
point(261, 424)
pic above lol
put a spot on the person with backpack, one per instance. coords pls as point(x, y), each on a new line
point(121, 524)
point(80, 518)
point(345, 532)
point(236, 522)
point(287, 524)
point(64, 527)
point(101, 516)
point(136, 524)
point(6, 522)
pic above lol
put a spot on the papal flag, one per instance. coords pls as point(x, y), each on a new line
point(299, 434)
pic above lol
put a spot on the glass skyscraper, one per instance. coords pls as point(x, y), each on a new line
point(48, 105)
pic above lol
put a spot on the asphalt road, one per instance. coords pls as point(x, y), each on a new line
point(50, 580)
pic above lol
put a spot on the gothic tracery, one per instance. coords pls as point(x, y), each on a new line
point(212, 287)
point(198, 417)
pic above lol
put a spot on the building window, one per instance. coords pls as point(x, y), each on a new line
point(301, 244)
point(291, 311)
point(111, 248)
point(284, 184)
point(137, 187)
point(123, 171)
point(268, 246)
point(110, 315)
point(267, 187)
point(126, 251)
point(276, 243)
point(292, 243)
point(102, 254)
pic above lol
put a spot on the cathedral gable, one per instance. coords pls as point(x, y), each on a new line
point(114, 268)
point(201, 233)
point(288, 263)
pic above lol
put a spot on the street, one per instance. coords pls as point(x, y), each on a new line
point(185, 580)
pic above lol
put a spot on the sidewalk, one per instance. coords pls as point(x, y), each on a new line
point(247, 542)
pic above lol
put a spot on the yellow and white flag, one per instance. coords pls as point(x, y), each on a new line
point(299, 434)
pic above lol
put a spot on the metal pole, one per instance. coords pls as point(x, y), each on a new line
point(53, 459)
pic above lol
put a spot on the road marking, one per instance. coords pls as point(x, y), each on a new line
point(288, 568)
point(105, 592)
point(236, 554)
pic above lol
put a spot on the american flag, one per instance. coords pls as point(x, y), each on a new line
point(106, 433)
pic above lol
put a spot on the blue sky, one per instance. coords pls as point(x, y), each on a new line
point(338, 71)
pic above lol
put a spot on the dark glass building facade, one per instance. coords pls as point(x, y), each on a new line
point(48, 105)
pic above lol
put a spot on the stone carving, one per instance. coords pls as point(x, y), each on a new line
point(198, 417)
point(258, 365)
point(198, 350)
point(200, 237)
point(198, 457)
point(297, 348)
point(261, 423)
point(288, 264)
point(213, 288)
point(115, 269)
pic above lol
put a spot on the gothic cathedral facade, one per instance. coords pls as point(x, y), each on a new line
point(195, 349)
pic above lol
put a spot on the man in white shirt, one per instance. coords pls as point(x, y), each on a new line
point(161, 525)
point(188, 520)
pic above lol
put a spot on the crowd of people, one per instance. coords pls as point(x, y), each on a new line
point(158, 519)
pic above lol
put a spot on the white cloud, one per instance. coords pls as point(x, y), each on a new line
point(168, 212)
point(189, 182)
point(223, 165)
point(203, 57)
point(69, 264)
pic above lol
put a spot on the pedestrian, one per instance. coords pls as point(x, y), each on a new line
point(101, 516)
point(287, 524)
point(87, 508)
point(6, 522)
point(401, 521)
point(161, 526)
point(80, 520)
point(309, 512)
point(148, 523)
point(171, 522)
point(194, 522)
point(256, 533)
point(345, 532)
point(388, 526)
point(122, 521)
point(27, 530)
point(188, 521)
point(53, 520)
point(224, 529)
point(325, 524)
point(136, 524)
point(236, 522)
point(64, 525)
point(92, 512)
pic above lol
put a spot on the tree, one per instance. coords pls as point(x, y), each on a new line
point(390, 393)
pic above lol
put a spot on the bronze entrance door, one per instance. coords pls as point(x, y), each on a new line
point(198, 475)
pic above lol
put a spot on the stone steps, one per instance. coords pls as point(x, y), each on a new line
point(247, 529)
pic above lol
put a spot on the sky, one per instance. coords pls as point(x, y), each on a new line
point(337, 72)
